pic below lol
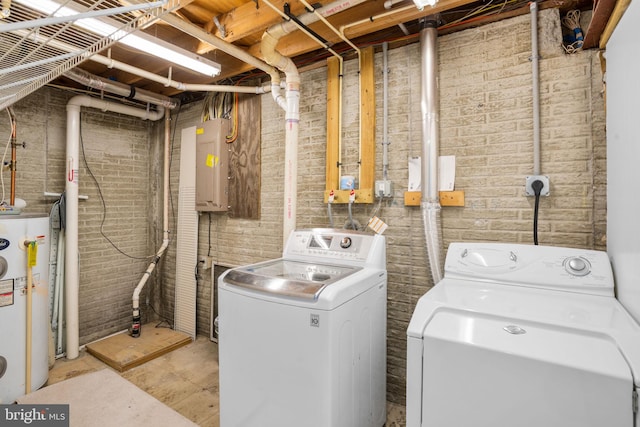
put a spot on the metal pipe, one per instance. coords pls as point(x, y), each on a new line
point(430, 203)
point(385, 111)
point(118, 88)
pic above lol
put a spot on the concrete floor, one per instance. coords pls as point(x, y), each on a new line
point(185, 379)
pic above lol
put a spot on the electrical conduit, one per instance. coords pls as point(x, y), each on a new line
point(71, 188)
point(535, 71)
point(430, 202)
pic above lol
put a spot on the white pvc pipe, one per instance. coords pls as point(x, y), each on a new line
point(292, 121)
point(135, 299)
point(72, 281)
point(535, 76)
point(270, 39)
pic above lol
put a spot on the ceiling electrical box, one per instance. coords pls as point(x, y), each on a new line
point(212, 166)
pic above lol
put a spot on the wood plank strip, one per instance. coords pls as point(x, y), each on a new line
point(601, 12)
point(333, 123)
point(367, 118)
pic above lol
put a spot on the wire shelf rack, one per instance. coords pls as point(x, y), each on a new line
point(42, 39)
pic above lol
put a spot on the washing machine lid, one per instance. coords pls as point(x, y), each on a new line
point(289, 278)
point(597, 324)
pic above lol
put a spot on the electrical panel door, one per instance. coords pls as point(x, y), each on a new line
point(212, 166)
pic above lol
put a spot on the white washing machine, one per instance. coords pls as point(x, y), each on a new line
point(302, 339)
point(525, 336)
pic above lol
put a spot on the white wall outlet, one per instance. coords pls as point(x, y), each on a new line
point(528, 190)
point(384, 188)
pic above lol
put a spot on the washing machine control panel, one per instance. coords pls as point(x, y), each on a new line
point(568, 269)
point(334, 245)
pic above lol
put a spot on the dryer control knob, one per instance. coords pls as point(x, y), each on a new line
point(345, 242)
point(577, 266)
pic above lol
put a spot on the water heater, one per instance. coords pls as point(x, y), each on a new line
point(15, 230)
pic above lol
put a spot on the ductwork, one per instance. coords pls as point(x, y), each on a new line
point(430, 202)
point(71, 188)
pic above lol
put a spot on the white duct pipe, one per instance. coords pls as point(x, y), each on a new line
point(535, 75)
point(72, 281)
point(136, 324)
point(430, 202)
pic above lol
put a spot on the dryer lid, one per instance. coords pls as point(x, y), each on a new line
point(598, 320)
point(288, 278)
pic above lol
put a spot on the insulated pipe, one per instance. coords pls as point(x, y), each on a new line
point(136, 324)
point(71, 188)
point(535, 75)
point(430, 202)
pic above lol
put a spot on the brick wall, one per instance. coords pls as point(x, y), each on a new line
point(117, 150)
point(485, 121)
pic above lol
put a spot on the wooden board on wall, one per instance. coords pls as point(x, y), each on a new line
point(245, 161)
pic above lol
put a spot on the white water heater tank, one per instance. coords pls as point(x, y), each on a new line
point(14, 231)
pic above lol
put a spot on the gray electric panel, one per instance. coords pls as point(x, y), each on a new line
point(212, 166)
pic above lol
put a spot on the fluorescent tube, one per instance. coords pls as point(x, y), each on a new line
point(139, 41)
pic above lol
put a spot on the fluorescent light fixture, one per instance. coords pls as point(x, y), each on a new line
point(420, 4)
point(139, 41)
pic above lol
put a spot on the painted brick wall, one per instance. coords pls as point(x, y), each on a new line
point(485, 121)
point(117, 151)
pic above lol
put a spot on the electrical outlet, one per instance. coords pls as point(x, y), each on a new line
point(384, 188)
point(528, 191)
point(206, 261)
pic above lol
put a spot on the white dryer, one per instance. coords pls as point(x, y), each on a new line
point(302, 338)
point(526, 336)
